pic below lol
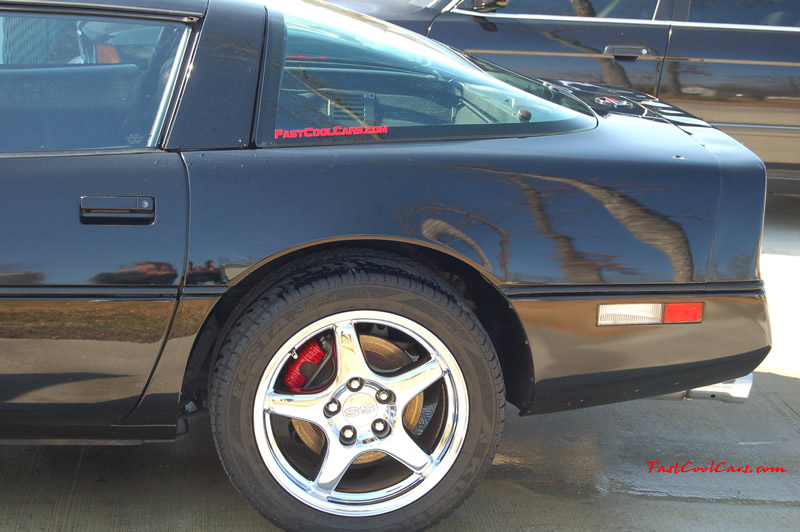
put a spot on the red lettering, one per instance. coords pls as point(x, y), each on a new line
point(328, 132)
point(716, 467)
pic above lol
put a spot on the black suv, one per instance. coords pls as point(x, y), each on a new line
point(734, 64)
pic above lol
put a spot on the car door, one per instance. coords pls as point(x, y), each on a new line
point(736, 65)
point(617, 42)
point(92, 217)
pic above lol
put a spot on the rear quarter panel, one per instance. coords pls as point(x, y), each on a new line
point(605, 206)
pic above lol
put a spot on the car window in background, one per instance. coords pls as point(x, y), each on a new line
point(380, 83)
point(634, 9)
point(759, 12)
point(77, 83)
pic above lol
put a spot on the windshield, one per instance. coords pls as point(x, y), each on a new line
point(336, 68)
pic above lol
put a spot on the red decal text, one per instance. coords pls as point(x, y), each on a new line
point(715, 467)
point(330, 132)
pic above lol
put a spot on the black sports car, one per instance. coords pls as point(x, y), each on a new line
point(349, 243)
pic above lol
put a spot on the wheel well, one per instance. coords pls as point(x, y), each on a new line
point(490, 306)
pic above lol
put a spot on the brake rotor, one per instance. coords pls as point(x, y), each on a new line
point(382, 355)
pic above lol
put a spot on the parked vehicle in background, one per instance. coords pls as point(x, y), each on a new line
point(348, 243)
point(733, 64)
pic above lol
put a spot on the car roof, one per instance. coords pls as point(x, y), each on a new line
point(189, 8)
point(391, 7)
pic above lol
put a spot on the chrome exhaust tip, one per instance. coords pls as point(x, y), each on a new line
point(731, 391)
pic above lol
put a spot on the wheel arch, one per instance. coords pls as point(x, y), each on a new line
point(484, 297)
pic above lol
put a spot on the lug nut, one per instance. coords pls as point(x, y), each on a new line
point(348, 435)
point(384, 397)
point(332, 408)
point(381, 428)
point(355, 384)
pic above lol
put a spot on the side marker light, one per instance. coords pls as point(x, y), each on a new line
point(683, 313)
point(648, 313)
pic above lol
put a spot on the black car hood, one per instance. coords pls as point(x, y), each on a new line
point(605, 99)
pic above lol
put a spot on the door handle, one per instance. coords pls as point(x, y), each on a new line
point(627, 51)
point(118, 210)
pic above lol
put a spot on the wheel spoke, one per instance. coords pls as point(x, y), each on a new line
point(335, 464)
point(350, 358)
point(405, 450)
point(414, 381)
point(304, 407)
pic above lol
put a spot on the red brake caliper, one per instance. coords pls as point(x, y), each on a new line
point(311, 354)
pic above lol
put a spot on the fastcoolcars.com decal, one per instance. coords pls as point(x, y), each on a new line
point(329, 132)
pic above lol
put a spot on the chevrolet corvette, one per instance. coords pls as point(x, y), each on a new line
point(349, 244)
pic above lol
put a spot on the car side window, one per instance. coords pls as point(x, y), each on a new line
point(377, 83)
point(85, 83)
point(632, 9)
point(752, 12)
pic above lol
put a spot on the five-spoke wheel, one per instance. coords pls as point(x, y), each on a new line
point(356, 393)
point(360, 411)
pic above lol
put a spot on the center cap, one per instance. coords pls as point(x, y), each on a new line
point(360, 409)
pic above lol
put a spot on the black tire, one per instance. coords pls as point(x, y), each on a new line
point(264, 464)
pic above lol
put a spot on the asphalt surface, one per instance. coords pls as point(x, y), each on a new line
point(582, 470)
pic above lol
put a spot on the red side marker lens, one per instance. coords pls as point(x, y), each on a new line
point(683, 312)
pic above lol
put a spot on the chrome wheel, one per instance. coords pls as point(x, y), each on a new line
point(356, 392)
point(370, 439)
